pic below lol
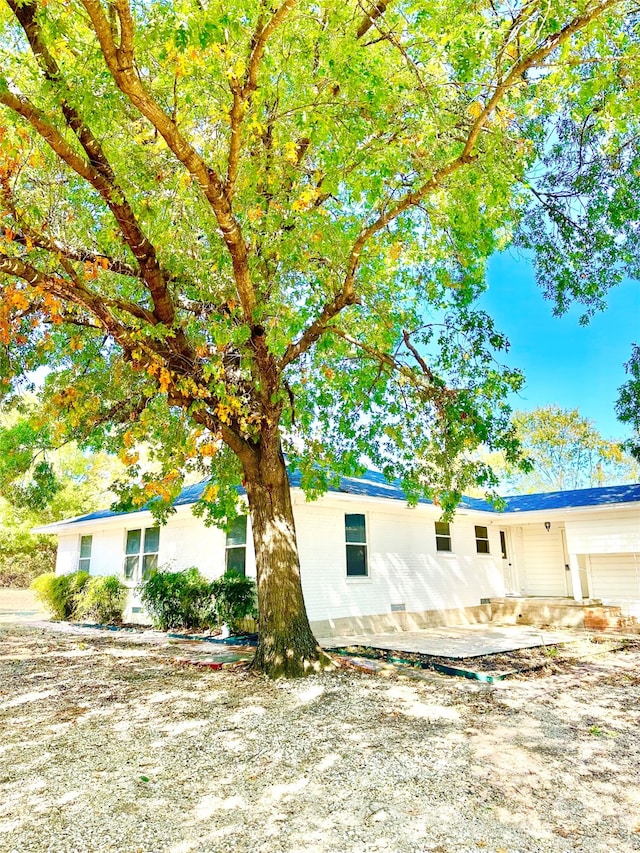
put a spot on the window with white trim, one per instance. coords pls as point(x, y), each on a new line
point(443, 536)
point(482, 540)
point(236, 546)
point(141, 553)
point(84, 561)
point(356, 542)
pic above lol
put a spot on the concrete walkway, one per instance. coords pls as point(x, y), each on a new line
point(456, 642)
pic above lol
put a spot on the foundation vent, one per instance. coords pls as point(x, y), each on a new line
point(398, 608)
point(485, 601)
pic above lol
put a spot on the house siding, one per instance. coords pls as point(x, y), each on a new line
point(617, 533)
point(407, 575)
point(107, 551)
point(404, 566)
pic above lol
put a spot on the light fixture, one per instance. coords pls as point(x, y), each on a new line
point(547, 526)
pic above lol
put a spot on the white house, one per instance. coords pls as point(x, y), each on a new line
point(370, 562)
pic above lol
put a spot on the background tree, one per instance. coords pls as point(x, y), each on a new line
point(566, 451)
point(41, 484)
point(237, 229)
point(628, 405)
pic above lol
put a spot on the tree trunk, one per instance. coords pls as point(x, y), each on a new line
point(286, 645)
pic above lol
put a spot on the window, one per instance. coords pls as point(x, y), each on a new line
point(85, 553)
point(356, 536)
point(482, 540)
point(443, 536)
point(503, 545)
point(236, 556)
point(141, 551)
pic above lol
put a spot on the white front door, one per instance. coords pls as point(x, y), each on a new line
point(508, 569)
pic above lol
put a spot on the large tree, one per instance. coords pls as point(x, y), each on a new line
point(237, 229)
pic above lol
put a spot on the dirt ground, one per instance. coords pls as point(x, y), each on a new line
point(108, 744)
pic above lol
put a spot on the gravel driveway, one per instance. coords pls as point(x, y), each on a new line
point(108, 745)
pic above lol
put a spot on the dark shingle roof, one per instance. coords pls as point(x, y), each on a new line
point(602, 496)
point(374, 485)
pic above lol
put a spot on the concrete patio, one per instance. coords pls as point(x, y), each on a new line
point(456, 642)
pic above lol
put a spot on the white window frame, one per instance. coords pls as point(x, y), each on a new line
point(237, 547)
point(480, 539)
point(364, 545)
point(138, 572)
point(82, 560)
point(443, 536)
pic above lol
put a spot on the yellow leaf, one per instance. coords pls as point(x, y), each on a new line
point(164, 379)
point(475, 109)
point(291, 153)
point(395, 251)
point(210, 493)
point(254, 214)
point(306, 199)
point(128, 458)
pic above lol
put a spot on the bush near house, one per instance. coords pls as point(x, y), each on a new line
point(179, 600)
point(59, 593)
point(235, 599)
point(187, 600)
point(79, 596)
point(102, 599)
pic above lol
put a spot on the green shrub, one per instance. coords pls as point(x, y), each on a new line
point(60, 593)
point(179, 600)
point(103, 599)
point(235, 599)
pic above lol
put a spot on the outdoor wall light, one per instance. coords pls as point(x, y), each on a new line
point(547, 526)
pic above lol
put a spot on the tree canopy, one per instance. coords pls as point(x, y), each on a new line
point(233, 229)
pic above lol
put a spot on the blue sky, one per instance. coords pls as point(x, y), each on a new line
point(574, 366)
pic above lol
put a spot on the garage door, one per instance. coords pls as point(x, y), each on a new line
point(615, 578)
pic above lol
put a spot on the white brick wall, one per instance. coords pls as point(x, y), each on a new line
point(404, 566)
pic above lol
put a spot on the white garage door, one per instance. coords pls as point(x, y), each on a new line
point(615, 578)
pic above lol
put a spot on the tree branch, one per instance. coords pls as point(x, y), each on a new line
point(120, 62)
point(82, 255)
point(142, 248)
point(372, 15)
point(432, 391)
point(77, 294)
point(108, 186)
point(346, 296)
point(242, 93)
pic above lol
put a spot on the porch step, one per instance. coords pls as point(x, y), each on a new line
point(560, 613)
point(600, 618)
